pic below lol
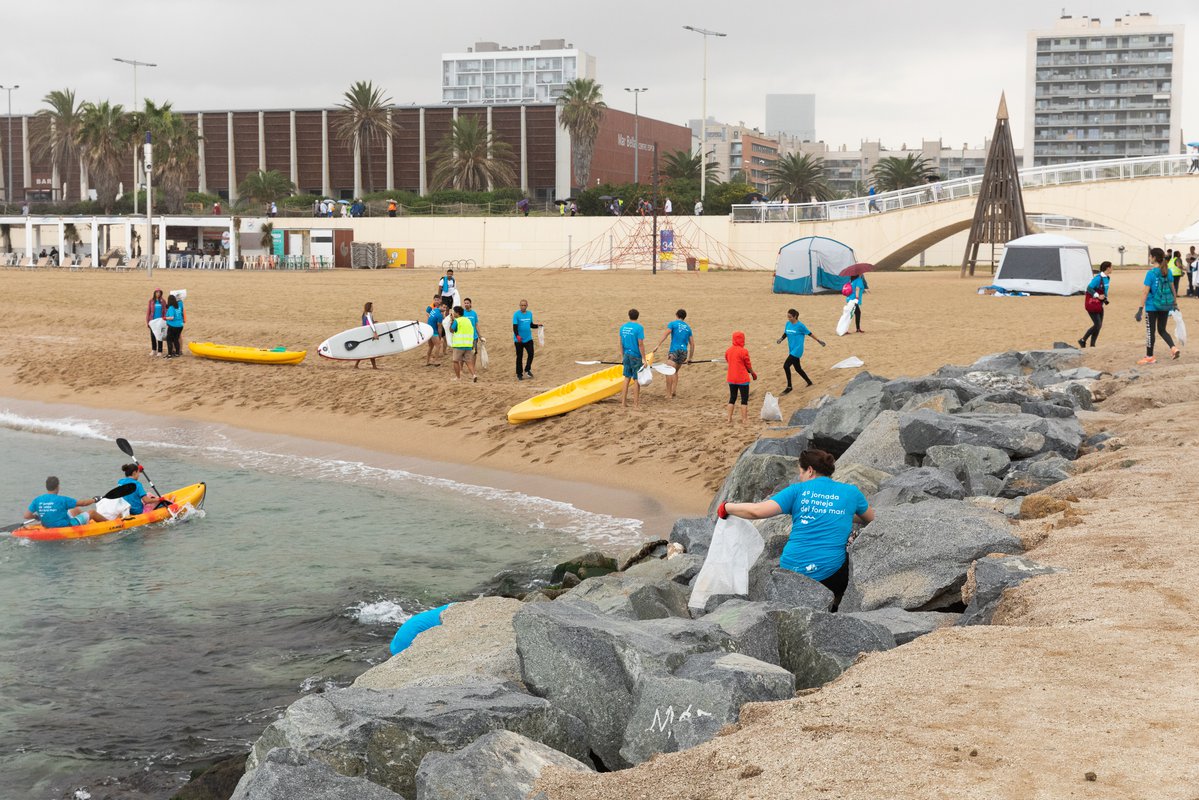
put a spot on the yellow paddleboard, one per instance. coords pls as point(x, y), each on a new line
point(249, 355)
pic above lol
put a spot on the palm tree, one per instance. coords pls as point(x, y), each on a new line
point(583, 107)
point(104, 141)
point(366, 121)
point(266, 186)
point(894, 172)
point(684, 166)
point(57, 132)
point(176, 146)
point(799, 176)
point(472, 158)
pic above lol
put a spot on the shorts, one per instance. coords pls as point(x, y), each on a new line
point(631, 365)
point(741, 389)
point(461, 354)
point(679, 357)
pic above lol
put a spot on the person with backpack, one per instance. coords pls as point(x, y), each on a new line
point(1157, 301)
point(1094, 301)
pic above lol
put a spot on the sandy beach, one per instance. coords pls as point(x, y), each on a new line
point(80, 338)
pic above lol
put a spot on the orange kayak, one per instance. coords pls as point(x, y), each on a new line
point(187, 496)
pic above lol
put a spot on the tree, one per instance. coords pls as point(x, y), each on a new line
point(471, 157)
point(583, 108)
point(684, 166)
point(365, 121)
point(894, 172)
point(799, 176)
point(176, 147)
point(104, 140)
point(56, 132)
point(266, 186)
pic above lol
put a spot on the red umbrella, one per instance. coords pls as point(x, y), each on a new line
point(856, 269)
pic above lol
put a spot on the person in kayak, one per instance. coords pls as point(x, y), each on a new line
point(368, 321)
point(739, 373)
point(54, 510)
point(155, 309)
point(140, 497)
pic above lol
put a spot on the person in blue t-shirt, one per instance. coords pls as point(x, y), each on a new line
point(415, 626)
point(54, 510)
point(434, 320)
point(174, 318)
point(469, 312)
point(140, 497)
point(1096, 299)
point(682, 348)
point(1158, 301)
point(859, 289)
point(794, 332)
point(632, 356)
point(522, 338)
point(823, 513)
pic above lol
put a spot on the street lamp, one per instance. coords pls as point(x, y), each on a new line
point(135, 64)
point(703, 123)
point(8, 186)
point(636, 132)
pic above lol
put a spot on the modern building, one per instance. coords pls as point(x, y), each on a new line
point(849, 171)
point(492, 74)
point(1098, 92)
point(791, 115)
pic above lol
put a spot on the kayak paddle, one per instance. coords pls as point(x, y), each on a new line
point(124, 490)
point(352, 344)
point(127, 449)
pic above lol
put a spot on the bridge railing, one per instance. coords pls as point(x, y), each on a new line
point(959, 188)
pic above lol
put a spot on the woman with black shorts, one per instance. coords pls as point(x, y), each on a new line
point(740, 372)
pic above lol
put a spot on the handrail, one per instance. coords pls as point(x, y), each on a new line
point(958, 188)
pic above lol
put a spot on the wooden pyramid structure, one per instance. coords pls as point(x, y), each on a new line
point(999, 215)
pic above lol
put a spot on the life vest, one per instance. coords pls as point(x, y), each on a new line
point(463, 334)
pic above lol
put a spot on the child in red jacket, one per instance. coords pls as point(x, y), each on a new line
point(739, 375)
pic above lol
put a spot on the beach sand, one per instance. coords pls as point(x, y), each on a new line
point(80, 338)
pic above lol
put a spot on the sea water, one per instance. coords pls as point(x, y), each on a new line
point(127, 660)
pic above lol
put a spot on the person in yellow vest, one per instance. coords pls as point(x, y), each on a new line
point(1174, 259)
point(462, 343)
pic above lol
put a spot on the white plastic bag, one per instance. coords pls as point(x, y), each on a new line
point(1180, 328)
point(853, 362)
point(111, 509)
point(770, 409)
point(846, 317)
point(541, 336)
point(483, 360)
point(645, 376)
point(158, 327)
point(736, 545)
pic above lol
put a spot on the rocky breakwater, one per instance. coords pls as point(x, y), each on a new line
point(600, 664)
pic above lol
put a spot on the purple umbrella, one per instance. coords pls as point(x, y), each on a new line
point(855, 270)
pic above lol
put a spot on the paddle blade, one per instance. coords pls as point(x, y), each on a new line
point(589, 363)
point(124, 490)
point(351, 345)
point(126, 448)
point(664, 369)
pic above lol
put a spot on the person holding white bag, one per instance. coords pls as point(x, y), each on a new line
point(823, 513)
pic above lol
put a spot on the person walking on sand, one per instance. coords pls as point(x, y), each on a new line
point(155, 309)
point(1094, 301)
point(741, 370)
point(522, 339)
point(368, 321)
point(1157, 300)
point(795, 332)
point(174, 318)
point(433, 320)
point(446, 287)
point(462, 343)
point(469, 311)
point(632, 357)
point(1174, 261)
point(682, 348)
point(858, 289)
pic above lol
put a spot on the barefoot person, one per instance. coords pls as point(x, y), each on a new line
point(739, 374)
point(433, 320)
point(368, 321)
point(522, 338)
point(469, 312)
point(462, 343)
point(794, 332)
point(632, 356)
point(1095, 300)
point(682, 348)
point(823, 512)
point(1157, 300)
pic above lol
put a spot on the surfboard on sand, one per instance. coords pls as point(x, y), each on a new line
point(357, 344)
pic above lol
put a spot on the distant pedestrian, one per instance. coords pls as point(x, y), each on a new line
point(873, 204)
point(469, 311)
point(522, 339)
point(368, 321)
point(447, 287)
point(392, 207)
point(1174, 259)
point(1192, 268)
point(632, 356)
point(858, 292)
point(1094, 301)
point(574, 208)
point(1157, 301)
point(1194, 167)
point(740, 371)
point(272, 210)
point(699, 208)
point(667, 207)
point(216, 209)
point(155, 309)
point(682, 348)
point(317, 207)
point(795, 333)
point(522, 206)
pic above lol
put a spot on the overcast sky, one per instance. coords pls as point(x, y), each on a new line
point(893, 71)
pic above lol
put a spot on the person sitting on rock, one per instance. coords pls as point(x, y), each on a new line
point(823, 513)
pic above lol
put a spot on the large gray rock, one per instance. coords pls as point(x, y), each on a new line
point(694, 533)
point(775, 532)
point(868, 479)
point(943, 401)
point(896, 393)
point(1019, 435)
point(1009, 508)
point(1035, 474)
point(861, 381)
point(896, 496)
point(1078, 394)
point(792, 590)
point(929, 480)
point(878, 446)
point(754, 478)
point(678, 569)
point(783, 446)
point(906, 625)
point(803, 417)
point(383, 735)
point(679, 711)
point(752, 627)
point(991, 577)
point(971, 464)
point(841, 421)
point(816, 646)
point(1058, 359)
point(1004, 363)
point(587, 663)
point(500, 765)
point(632, 596)
point(285, 774)
point(916, 556)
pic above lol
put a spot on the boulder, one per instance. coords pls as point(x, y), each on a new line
point(1048, 408)
point(816, 646)
point(650, 549)
point(1034, 474)
point(677, 712)
point(500, 765)
point(1009, 508)
point(1018, 435)
point(1057, 359)
point(841, 421)
point(878, 446)
point(980, 405)
point(752, 627)
point(906, 625)
point(868, 479)
point(587, 565)
point(861, 381)
point(978, 468)
point(694, 533)
point(285, 774)
point(803, 417)
point(792, 590)
point(989, 577)
point(1079, 394)
point(1080, 374)
point(896, 496)
point(632, 596)
point(785, 446)
point(587, 663)
point(714, 602)
point(929, 480)
point(915, 557)
point(775, 533)
point(754, 478)
point(515, 582)
point(383, 735)
point(896, 393)
point(1005, 363)
point(944, 402)
point(679, 569)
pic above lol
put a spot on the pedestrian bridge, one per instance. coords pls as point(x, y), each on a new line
point(1143, 198)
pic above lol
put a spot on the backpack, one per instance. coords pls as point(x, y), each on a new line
point(847, 289)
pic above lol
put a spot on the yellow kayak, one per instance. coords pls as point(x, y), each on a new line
point(569, 396)
point(187, 496)
point(249, 355)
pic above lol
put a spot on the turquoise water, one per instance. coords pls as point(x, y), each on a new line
point(129, 659)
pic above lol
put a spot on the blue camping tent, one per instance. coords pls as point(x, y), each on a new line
point(811, 265)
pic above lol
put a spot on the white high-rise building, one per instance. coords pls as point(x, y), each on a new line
point(791, 115)
point(491, 74)
point(1099, 92)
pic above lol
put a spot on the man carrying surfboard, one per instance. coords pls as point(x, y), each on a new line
point(632, 353)
point(462, 342)
point(682, 348)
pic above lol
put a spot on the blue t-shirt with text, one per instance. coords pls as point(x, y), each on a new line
point(795, 333)
point(680, 335)
point(174, 317)
point(822, 512)
point(53, 510)
point(523, 320)
point(435, 319)
point(134, 500)
point(630, 334)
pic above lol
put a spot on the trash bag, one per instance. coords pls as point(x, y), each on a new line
point(846, 317)
point(853, 362)
point(483, 360)
point(645, 376)
point(541, 336)
point(111, 509)
point(770, 409)
point(736, 545)
point(158, 327)
point(1180, 328)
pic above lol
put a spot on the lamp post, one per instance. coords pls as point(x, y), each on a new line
point(148, 153)
point(8, 186)
point(703, 123)
point(636, 132)
point(135, 64)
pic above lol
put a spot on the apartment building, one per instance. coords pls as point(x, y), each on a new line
point(492, 74)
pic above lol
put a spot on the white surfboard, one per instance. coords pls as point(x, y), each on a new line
point(359, 343)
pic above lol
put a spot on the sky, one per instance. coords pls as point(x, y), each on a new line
point(895, 72)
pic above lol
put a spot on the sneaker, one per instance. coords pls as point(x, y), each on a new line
point(520, 377)
point(1175, 353)
point(474, 379)
point(1147, 360)
point(528, 374)
point(785, 391)
point(1082, 344)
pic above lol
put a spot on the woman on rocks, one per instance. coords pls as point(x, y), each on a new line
point(823, 513)
point(1157, 301)
point(1095, 300)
